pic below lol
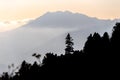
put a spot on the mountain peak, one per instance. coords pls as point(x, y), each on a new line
point(61, 19)
point(59, 12)
point(63, 13)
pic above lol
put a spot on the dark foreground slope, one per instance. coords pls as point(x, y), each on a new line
point(99, 57)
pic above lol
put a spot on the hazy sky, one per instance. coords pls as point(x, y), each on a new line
point(21, 9)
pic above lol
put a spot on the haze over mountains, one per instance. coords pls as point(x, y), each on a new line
point(47, 34)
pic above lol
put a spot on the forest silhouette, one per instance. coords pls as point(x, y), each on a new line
point(100, 54)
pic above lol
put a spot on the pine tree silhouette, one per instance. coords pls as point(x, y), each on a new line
point(69, 44)
point(115, 45)
point(115, 39)
point(105, 44)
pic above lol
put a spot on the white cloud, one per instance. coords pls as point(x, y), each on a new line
point(10, 25)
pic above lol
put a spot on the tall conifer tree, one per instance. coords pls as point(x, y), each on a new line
point(69, 44)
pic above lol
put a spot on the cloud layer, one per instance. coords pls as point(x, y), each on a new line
point(10, 25)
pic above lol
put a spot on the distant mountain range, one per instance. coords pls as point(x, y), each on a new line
point(47, 34)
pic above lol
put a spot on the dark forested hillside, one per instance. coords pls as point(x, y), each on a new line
point(99, 55)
